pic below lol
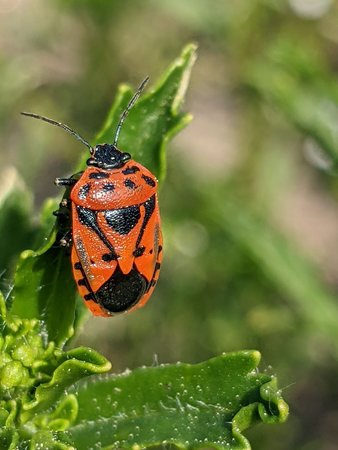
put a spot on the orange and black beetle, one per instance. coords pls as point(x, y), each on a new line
point(115, 234)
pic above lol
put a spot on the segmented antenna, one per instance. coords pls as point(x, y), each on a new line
point(61, 125)
point(128, 108)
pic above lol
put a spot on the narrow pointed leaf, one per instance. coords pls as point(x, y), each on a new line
point(155, 118)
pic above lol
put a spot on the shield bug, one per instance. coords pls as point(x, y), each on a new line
point(115, 234)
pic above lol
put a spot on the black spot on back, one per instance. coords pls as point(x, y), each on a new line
point(150, 181)
point(78, 266)
point(121, 291)
point(129, 184)
point(108, 187)
point(123, 220)
point(130, 170)
point(83, 191)
point(98, 175)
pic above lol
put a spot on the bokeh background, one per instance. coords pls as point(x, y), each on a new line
point(249, 206)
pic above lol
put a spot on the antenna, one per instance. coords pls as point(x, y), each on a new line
point(61, 125)
point(128, 108)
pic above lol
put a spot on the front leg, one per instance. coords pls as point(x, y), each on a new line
point(65, 181)
point(66, 240)
point(63, 218)
point(69, 181)
point(63, 224)
point(64, 208)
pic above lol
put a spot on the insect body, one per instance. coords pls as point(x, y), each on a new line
point(116, 236)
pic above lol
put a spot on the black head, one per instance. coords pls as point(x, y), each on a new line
point(107, 156)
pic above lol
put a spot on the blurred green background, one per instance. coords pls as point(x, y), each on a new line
point(249, 205)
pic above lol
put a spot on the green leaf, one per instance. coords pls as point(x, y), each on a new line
point(77, 363)
point(3, 313)
point(64, 414)
point(35, 378)
point(155, 118)
point(43, 285)
point(49, 440)
point(16, 207)
point(8, 439)
point(44, 289)
point(192, 406)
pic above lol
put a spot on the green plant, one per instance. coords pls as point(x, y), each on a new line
point(56, 398)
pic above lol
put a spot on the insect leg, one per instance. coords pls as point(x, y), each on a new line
point(66, 240)
point(65, 181)
point(63, 223)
